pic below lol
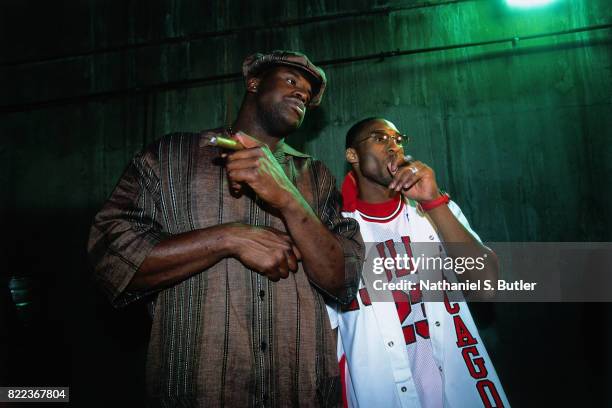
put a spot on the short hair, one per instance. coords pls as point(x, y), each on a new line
point(356, 129)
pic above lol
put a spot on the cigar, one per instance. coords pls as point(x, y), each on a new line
point(408, 159)
point(223, 142)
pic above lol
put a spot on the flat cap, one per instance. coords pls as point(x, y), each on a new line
point(257, 63)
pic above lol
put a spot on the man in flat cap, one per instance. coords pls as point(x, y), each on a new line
point(236, 252)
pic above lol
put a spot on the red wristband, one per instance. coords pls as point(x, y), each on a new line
point(430, 205)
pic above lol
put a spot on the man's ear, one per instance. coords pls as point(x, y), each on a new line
point(253, 84)
point(351, 155)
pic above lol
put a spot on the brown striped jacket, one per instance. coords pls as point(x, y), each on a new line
point(227, 336)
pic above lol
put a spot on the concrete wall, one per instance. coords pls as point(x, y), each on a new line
point(516, 131)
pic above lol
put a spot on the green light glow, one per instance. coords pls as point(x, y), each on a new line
point(528, 3)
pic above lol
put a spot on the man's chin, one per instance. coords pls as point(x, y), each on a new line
point(282, 123)
point(297, 124)
point(293, 123)
point(381, 180)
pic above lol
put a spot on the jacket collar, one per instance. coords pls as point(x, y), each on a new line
point(288, 150)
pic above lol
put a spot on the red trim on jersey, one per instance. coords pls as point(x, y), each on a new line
point(349, 192)
point(343, 380)
point(381, 212)
point(365, 297)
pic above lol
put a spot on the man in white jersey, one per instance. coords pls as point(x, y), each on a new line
point(406, 352)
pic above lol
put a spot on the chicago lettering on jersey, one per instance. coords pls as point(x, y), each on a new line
point(471, 356)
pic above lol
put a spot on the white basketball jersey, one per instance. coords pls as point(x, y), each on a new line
point(406, 352)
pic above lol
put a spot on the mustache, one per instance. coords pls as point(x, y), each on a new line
point(300, 103)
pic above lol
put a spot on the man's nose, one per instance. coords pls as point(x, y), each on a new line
point(301, 94)
point(393, 146)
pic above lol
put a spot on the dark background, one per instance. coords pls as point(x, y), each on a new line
point(517, 131)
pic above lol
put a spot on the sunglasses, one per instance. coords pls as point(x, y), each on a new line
point(382, 137)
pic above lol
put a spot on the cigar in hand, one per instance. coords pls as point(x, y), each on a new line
point(223, 142)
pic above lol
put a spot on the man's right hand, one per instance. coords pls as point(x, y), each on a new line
point(265, 250)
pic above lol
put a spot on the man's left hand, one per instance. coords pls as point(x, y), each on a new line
point(416, 181)
point(256, 167)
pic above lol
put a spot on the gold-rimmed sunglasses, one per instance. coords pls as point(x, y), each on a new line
point(382, 137)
